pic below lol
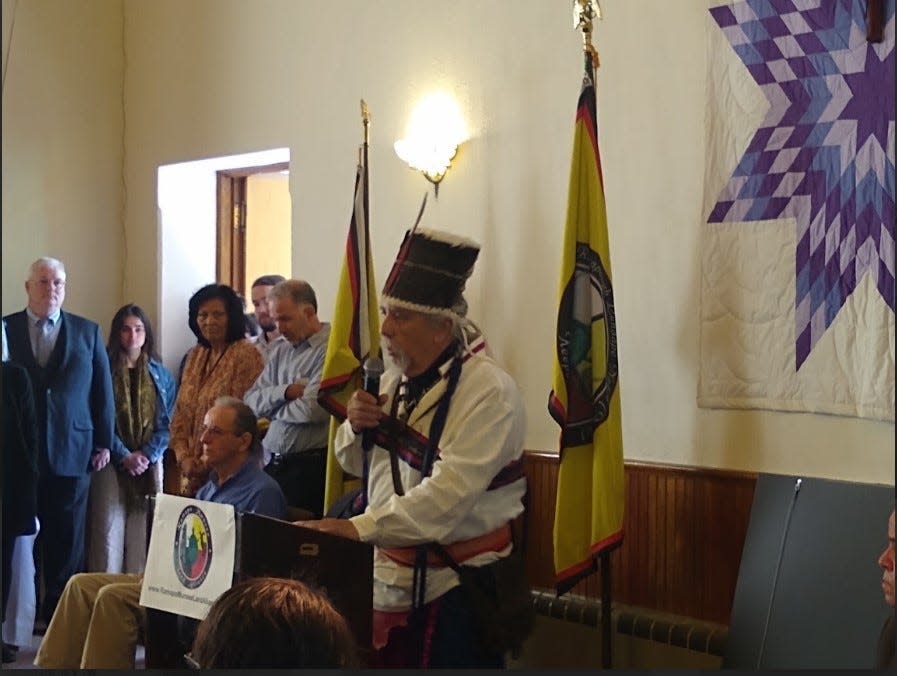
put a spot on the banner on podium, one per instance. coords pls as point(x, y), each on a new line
point(190, 561)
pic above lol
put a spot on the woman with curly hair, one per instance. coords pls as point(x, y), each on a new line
point(223, 363)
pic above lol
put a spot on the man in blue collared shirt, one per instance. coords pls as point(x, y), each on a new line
point(286, 393)
point(99, 615)
point(231, 449)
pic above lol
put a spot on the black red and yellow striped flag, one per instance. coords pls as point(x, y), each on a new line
point(354, 328)
point(585, 399)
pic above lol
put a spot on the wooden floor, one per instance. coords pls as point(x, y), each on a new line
point(26, 653)
point(25, 656)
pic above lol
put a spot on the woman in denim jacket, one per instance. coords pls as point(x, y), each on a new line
point(144, 400)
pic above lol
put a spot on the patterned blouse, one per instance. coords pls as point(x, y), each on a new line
point(205, 379)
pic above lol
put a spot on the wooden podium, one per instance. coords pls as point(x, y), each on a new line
point(340, 568)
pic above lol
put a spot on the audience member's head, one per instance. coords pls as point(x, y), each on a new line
point(259, 293)
point(886, 561)
point(45, 286)
point(229, 435)
point(131, 331)
point(273, 623)
point(216, 316)
point(294, 307)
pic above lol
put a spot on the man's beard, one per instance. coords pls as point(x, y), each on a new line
point(267, 328)
point(398, 357)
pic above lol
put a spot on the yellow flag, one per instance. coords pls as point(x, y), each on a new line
point(585, 399)
point(354, 329)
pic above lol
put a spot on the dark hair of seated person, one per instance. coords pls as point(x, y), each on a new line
point(273, 623)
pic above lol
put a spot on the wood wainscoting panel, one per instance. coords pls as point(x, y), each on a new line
point(684, 531)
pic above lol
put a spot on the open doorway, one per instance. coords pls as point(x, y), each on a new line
point(189, 229)
point(253, 224)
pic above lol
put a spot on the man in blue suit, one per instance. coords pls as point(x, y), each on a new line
point(65, 356)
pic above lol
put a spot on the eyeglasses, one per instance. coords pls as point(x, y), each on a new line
point(215, 431)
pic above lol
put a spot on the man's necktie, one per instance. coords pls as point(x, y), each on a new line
point(42, 349)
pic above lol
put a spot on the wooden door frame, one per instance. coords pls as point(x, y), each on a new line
point(230, 246)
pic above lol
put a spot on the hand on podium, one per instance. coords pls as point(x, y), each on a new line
point(341, 527)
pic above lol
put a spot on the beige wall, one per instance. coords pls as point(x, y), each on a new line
point(217, 77)
point(62, 150)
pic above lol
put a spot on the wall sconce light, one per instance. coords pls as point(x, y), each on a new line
point(434, 133)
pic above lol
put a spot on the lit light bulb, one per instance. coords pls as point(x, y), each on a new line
point(434, 133)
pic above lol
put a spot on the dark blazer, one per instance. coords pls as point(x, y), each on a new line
point(884, 657)
point(19, 441)
point(72, 394)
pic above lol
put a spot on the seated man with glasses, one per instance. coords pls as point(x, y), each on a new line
point(98, 618)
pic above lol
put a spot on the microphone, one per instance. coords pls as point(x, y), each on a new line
point(370, 383)
point(373, 369)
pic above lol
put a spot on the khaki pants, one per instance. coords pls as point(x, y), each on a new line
point(116, 530)
point(95, 625)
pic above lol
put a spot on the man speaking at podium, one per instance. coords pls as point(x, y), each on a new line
point(96, 623)
point(451, 423)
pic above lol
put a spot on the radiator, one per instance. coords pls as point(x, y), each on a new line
point(675, 630)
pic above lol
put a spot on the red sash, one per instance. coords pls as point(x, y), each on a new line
point(460, 551)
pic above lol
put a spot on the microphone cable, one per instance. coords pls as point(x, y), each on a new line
point(775, 577)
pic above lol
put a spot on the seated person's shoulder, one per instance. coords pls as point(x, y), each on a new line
point(273, 488)
point(269, 499)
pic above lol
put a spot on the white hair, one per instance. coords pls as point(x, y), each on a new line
point(46, 262)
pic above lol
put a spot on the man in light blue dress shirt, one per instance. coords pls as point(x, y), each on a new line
point(286, 393)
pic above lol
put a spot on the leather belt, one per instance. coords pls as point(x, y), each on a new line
point(294, 456)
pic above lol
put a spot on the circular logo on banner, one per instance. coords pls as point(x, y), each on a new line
point(192, 547)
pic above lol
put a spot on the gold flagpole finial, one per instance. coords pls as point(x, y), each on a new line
point(366, 121)
point(584, 11)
